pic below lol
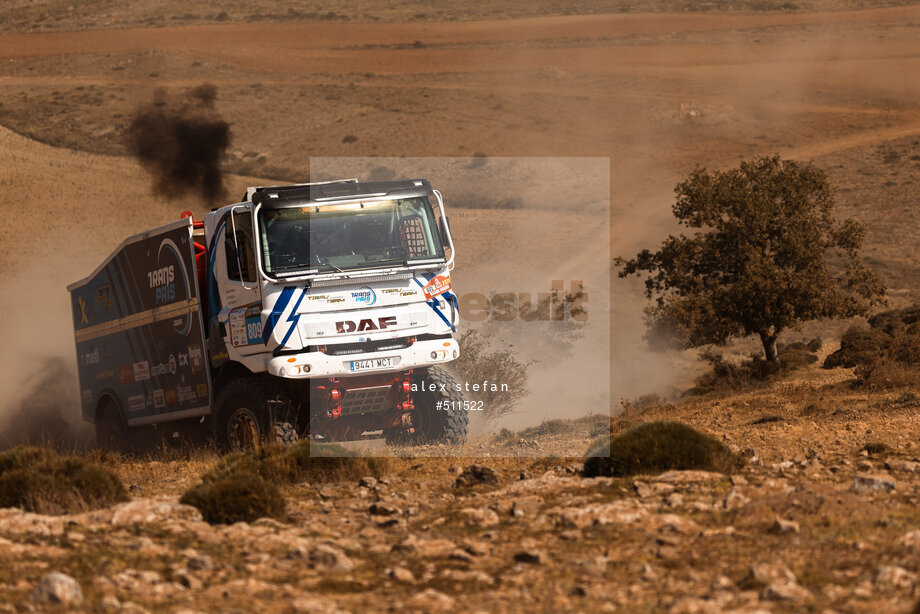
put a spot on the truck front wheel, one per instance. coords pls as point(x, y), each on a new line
point(249, 415)
point(440, 415)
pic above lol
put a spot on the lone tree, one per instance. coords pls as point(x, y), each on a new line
point(767, 255)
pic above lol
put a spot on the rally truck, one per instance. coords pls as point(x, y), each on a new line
point(321, 310)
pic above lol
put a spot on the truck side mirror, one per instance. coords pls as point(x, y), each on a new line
point(443, 227)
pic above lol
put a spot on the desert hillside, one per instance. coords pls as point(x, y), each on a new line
point(557, 133)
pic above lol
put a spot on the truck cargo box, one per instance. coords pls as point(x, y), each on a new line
point(139, 330)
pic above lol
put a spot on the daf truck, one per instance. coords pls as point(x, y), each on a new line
point(321, 310)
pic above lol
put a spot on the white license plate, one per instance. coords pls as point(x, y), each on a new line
point(374, 363)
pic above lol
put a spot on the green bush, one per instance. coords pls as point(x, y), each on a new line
point(38, 480)
point(858, 345)
point(659, 446)
point(305, 461)
point(242, 497)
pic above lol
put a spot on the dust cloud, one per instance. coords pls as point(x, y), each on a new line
point(181, 142)
point(38, 369)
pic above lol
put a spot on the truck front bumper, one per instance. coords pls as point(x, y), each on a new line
point(308, 365)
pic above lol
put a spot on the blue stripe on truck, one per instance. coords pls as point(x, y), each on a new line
point(277, 310)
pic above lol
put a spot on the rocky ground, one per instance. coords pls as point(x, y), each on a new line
point(816, 520)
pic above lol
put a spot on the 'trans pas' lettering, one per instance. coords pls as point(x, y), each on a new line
point(485, 386)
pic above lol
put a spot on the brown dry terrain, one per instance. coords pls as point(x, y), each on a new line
point(656, 87)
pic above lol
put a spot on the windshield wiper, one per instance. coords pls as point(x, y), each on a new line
point(329, 264)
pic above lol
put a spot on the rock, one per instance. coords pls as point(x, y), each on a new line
point(734, 500)
point(878, 482)
point(784, 527)
point(477, 474)
point(767, 573)
point(432, 600)
point(903, 466)
point(188, 580)
point(129, 607)
point(480, 516)
point(200, 562)
point(425, 548)
point(460, 555)
point(526, 506)
point(109, 603)
point(324, 557)
point(675, 499)
point(689, 476)
point(627, 511)
point(531, 557)
point(146, 511)
point(311, 605)
point(786, 591)
point(779, 583)
point(382, 508)
point(367, 482)
point(58, 589)
point(892, 576)
point(642, 489)
point(468, 576)
point(571, 535)
point(693, 605)
point(401, 574)
point(911, 539)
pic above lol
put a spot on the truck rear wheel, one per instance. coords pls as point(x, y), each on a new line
point(439, 415)
point(112, 434)
point(249, 415)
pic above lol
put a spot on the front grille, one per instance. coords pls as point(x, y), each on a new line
point(362, 347)
point(365, 400)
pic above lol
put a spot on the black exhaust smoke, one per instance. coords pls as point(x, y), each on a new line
point(181, 142)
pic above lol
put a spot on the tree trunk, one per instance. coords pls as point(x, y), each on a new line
point(769, 346)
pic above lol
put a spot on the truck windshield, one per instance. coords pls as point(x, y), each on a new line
point(348, 236)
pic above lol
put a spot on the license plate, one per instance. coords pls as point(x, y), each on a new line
point(374, 363)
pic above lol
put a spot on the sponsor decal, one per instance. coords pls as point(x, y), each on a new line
point(196, 356)
point(104, 298)
point(137, 403)
point(335, 299)
point(170, 394)
point(220, 356)
point(159, 399)
point(86, 396)
point(125, 374)
point(162, 280)
point(407, 293)
point(391, 291)
point(364, 296)
point(201, 390)
point(164, 368)
point(82, 304)
point(437, 286)
point(106, 374)
point(141, 371)
point(350, 326)
point(318, 297)
point(246, 325)
point(185, 393)
point(90, 358)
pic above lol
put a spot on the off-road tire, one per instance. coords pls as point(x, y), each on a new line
point(433, 425)
point(249, 413)
point(112, 433)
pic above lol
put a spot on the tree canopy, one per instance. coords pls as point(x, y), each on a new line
point(766, 256)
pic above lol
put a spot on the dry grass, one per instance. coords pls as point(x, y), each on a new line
point(237, 498)
point(38, 480)
point(659, 446)
point(303, 462)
